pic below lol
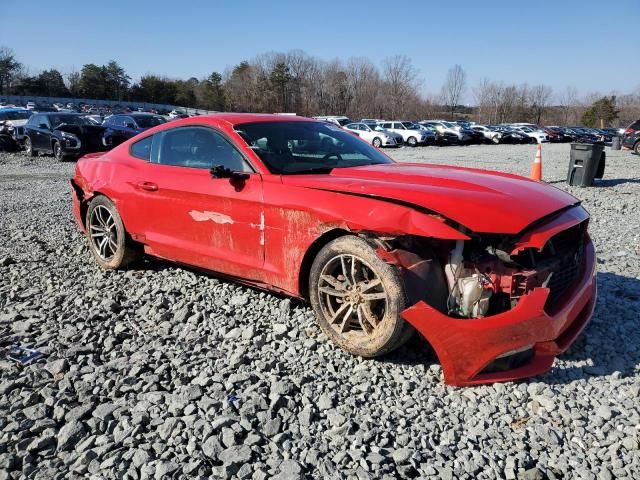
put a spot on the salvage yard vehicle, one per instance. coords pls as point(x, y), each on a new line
point(375, 134)
point(12, 122)
point(534, 133)
point(490, 135)
point(411, 133)
point(339, 120)
point(496, 271)
point(65, 135)
point(123, 127)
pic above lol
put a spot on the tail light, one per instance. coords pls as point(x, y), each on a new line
point(628, 131)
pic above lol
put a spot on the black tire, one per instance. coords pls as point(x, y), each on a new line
point(352, 330)
point(636, 148)
point(376, 142)
point(119, 251)
point(412, 141)
point(28, 148)
point(57, 152)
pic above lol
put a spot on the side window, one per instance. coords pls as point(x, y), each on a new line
point(198, 147)
point(386, 125)
point(142, 148)
point(35, 120)
point(398, 126)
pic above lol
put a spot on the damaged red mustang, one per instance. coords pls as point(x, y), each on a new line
point(497, 272)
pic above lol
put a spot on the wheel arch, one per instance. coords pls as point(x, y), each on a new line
point(310, 255)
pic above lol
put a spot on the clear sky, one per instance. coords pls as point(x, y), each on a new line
point(592, 45)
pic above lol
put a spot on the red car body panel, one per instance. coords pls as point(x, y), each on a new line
point(261, 232)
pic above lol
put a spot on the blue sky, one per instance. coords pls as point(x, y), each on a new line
point(592, 45)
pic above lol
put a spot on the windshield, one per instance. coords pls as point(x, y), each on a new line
point(148, 121)
point(307, 147)
point(14, 115)
point(411, 126)
point(57, 120)
point(449, 125)
point(344, 121)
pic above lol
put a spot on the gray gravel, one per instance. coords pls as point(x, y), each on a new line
point(160, 372)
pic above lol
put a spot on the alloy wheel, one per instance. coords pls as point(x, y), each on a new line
point(103, 232)
point(352, 296)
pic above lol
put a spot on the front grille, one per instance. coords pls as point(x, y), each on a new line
point(562, 257)
point(564, 277)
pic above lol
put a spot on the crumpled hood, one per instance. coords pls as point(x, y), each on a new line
point(484, 201)
point(82, 130)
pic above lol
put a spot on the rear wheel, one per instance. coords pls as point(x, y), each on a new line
point(357, 298)
point(28, 147)
point(377, 142)
point(57, 152)
point(108, 240)
point(636, 148)
point(412, 141)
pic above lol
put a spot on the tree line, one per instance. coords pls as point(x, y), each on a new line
point(297, 82)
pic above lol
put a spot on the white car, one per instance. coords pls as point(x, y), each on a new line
point(443, 127)
point(539, 135)
point(411, 133)
point(176, 113)
point(491, 135)
point(31, 105)
point(12, 122)
point(375, 134)
point(339, 120)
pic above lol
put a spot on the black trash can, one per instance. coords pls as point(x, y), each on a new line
point(586, 163)
point(616, 143)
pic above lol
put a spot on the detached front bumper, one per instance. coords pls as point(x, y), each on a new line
point(465, 347)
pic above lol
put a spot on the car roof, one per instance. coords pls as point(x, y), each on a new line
point(13, 109)
point(238, 118)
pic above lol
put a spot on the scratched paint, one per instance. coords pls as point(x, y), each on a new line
point(213, 216)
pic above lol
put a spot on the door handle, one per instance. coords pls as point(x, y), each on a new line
point(149, 186)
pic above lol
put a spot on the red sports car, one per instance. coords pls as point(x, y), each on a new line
point(497, 272)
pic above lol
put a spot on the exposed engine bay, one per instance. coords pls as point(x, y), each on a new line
point(488, 274)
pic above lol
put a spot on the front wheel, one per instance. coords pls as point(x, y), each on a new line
point(636, 148)
point(377, 142)
point(108, 239)
point(412, 141)
point(28, 147)
point(358, 298)
point(57, 152)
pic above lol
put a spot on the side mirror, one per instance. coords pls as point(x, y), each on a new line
point(236, 179)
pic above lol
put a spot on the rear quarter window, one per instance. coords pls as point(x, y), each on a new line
point(142, 148)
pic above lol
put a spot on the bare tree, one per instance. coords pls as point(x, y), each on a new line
point(400, 83)
point(539, 96)
point(568, 102)
point(453, 87)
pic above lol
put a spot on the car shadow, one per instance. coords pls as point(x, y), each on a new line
point(615, 181)
point(609, 345)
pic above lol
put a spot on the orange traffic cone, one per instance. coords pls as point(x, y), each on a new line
point(536, 170)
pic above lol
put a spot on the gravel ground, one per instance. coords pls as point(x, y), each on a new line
point(160, 372)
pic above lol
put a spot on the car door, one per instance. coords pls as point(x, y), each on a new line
point(42, 133)
point(191, 217)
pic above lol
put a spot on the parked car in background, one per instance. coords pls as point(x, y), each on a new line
point(65, 135)
point(581, 135)
point(562, 135)
point(538, 135)
point(491, 135)
point(411, 133)
point(495, 271)
point(30, 105)
point(446, 129)
point(510, 135)
point(339, 120)
point(12, 122)
point(375, 134)
point(177, 113)
point(120, 128)
point(631, 137)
